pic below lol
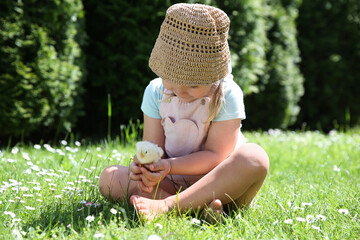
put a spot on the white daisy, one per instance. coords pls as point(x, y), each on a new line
point(159, 225)
point(300, 219)
point(305, 204)
point(316, 228)
point(195, 221)
point(99, 235)
point(154, 237)
point(90, 218)
point(26, 156)
point(37, 146)
point(336, 169)
point(344, 211)
point(321, 217)
point(288, 221)
point(310, 218)
point(113, 211)
point(15, 150)
point(11, 214)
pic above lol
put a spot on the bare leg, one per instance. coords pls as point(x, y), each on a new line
point(235, 181)
point(114, 183)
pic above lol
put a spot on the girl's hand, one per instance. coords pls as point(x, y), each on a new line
point(136, 175)
point(155, 173)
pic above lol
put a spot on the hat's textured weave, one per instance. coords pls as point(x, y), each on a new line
point(192, 47)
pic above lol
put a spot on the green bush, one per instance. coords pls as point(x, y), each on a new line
point(40, 66)
point(265, 60)
point(121, 37)
point(329, 40)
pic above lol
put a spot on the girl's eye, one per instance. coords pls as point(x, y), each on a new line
point(194, 86)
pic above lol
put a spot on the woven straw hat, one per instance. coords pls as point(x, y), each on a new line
point(192, 47)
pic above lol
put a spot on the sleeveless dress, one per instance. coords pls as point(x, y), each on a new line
point(185, 124)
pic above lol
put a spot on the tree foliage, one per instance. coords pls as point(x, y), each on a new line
point(41, 66)
point(329, 40)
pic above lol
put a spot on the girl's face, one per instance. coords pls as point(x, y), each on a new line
point(189, 93)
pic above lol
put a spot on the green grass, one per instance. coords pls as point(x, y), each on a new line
point(313, 179)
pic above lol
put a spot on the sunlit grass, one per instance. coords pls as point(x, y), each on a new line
point(311, 192)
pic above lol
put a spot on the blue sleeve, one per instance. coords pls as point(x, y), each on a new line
point(151, 99)
point(233, 104)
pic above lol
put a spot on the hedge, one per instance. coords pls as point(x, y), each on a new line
point(41, 66)
point(46, 85)
point(265, 58)
point(329, 40)
point(122, 35)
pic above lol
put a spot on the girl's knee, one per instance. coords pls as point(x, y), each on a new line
point(108, 177)
point(254, 158)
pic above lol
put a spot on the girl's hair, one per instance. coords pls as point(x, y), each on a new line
point(216, 102)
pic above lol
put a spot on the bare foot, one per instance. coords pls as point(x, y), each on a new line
point(214, 212)
point(149, 208)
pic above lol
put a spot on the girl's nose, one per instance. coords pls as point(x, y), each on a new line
point(179, 90)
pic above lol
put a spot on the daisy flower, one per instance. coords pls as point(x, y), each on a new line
point(154, 237)
point(99, 235)
point(336, 169)
point(11, 214)
point(195, 221)
point(90, 218)
point(305, 204)
point(288, 221)
point(300, 219)
point(321, 217)
point(316, 228)
point(344, 211)
point(310, 218)
point(113, 211)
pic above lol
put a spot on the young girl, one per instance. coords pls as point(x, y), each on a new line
point(194, 112)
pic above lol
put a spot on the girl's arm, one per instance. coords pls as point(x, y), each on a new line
point(153, 131)
point(220, 143)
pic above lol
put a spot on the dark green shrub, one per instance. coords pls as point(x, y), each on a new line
point(265, 58)
point(329, 40)
point(121, 37)
point(248, 41)
point(40, 66)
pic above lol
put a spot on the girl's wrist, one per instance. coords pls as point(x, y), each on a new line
point(170, 166)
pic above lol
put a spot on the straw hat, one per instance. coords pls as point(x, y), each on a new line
point(192, 47)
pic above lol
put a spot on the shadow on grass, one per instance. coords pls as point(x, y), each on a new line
point(72, 216)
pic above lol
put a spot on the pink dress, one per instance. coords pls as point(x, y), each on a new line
point(184, 124)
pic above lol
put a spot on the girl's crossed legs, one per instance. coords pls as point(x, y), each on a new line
point(234, 181)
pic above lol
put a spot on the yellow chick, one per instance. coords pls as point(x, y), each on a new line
point(148, 152)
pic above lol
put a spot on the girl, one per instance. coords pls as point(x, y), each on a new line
point(194, 112)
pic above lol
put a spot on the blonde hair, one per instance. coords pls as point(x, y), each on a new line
point(216, 102)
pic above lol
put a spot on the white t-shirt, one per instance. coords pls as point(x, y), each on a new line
point(232, 107)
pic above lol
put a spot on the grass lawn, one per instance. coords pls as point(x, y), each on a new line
point(311, 192)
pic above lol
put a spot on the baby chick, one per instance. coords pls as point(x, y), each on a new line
point(148, 152)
